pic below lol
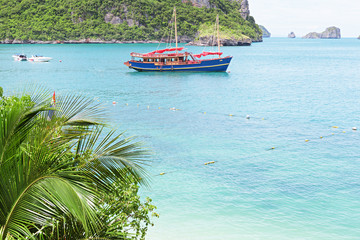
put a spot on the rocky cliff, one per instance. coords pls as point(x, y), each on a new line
point(359, 37)
point(291, 35)
point(244, 5)
point(244, 9)
point(229, 37)
point(120, 20)
point(265, 32)
point(329, 33)
point(198, 3)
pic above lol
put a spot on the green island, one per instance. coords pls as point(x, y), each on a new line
point(119, 20)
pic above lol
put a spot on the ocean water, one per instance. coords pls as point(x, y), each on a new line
point(268, 181)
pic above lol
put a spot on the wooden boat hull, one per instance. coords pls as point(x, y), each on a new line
point(208, 65)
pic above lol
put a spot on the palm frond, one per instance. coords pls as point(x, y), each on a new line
point(50, 196)
point(115, 157)
point(78, 109)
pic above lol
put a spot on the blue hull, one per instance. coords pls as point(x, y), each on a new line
point(212, 65)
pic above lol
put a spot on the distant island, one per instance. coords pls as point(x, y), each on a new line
point(124, 21)
point(265, 32)
point(291, 35)
point(329, 33)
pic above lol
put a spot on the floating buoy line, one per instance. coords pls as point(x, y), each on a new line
point(259, 154)
point(231, 115)
point(248, 117)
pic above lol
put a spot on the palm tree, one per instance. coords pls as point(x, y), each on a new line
point(57, 170)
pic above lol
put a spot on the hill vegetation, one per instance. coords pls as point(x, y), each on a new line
point(50, 20)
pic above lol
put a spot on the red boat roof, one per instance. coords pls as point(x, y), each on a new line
point(166, 50)
point(157, 53)
point(203, 54)
point(153, 55)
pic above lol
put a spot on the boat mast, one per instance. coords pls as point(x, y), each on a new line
point(176, 40)
point(218, 32)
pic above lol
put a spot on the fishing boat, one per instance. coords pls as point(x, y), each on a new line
point(39, 58)
point(173, 59)
point(19, 57)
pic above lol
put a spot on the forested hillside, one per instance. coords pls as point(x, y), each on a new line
point(116, 19)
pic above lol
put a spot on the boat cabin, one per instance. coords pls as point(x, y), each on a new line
point(163, 59)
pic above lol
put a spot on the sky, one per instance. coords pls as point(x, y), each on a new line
point(281, 17)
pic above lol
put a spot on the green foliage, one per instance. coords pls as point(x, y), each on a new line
point(141, 19)
point(225, 32)
point(1, 92)
point(123, 213)
point(56, 174)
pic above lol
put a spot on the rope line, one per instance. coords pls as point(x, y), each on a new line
point(266, 152)
point(231, 115)
point(243, 116)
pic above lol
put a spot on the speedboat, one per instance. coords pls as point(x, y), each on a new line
point(39, 58)
point(19, 57)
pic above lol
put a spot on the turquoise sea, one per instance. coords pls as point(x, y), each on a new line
point(294, 90)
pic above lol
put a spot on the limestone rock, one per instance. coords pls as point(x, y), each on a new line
point(17, 41)
point(266, 33)
point(198, 3)
point(359, 37)
point(329, 33)
point(185, 39)
point(110, 18)
point(291, 35)
point(245, 10)
point(244, 6)
point(313, 35)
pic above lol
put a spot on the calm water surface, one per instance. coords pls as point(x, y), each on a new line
point(292, 90)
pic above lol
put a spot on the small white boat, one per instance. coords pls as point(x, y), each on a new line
point(38, 58)
point(19, 57)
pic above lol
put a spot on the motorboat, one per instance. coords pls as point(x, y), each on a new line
point(39, 58)
point(19, 57)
